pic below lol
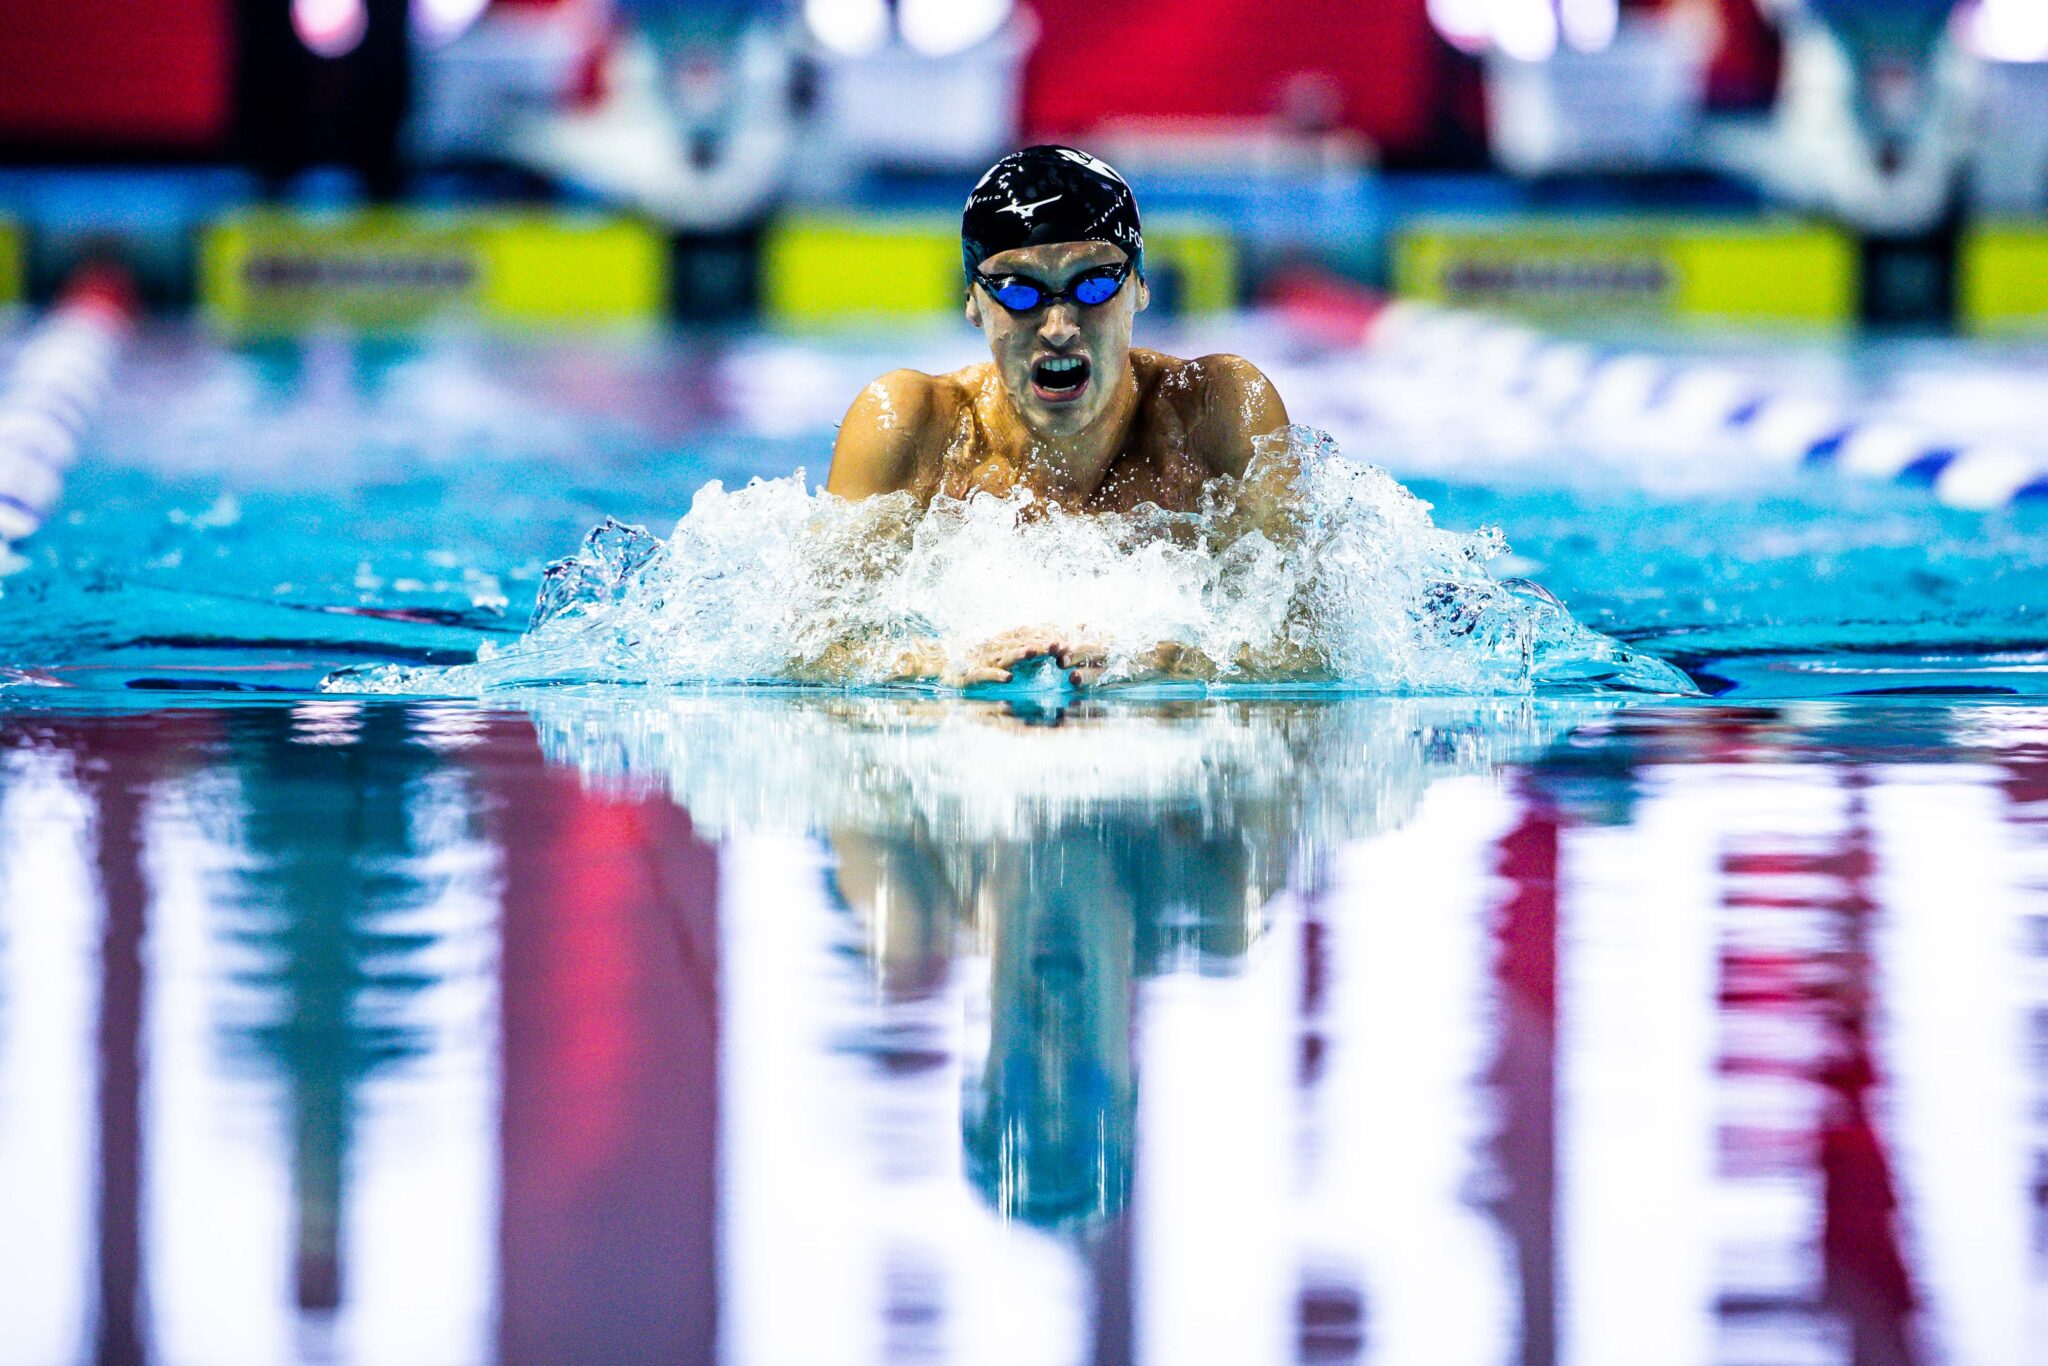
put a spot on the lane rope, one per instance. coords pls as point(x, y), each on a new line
point(61, 375)
point(1505, 361)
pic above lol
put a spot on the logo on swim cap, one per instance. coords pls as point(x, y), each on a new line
point(1049, 194)
point(1026, 210)
point(1093, 163)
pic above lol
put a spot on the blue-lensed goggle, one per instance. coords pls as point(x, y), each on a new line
point(1021, 293)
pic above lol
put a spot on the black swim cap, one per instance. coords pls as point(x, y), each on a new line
point(1049, 194)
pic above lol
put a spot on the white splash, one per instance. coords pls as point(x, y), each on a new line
point(772, 583)
point(1294, 773)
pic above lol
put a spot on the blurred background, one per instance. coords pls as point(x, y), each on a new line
point(542, 162)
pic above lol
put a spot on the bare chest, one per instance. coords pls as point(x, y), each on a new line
point(1158, 465)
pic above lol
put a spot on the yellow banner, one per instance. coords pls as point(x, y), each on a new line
point(2002, 279)
point(275, 271)
point(1594, 270)
point(13, 263)
point(824, 270)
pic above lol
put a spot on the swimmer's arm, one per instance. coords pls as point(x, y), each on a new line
point(1237, 406)
point(868, 661)
point(884, 438)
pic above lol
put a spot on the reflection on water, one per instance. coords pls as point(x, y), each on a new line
point(327, 919)
point(1286, 774)
point(1072, 851)
point(289, 926)
point(762, 1029)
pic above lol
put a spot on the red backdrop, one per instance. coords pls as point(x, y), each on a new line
point(1101, 60)
point(159, 72)
point(116, 72)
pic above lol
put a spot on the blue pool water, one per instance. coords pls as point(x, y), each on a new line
point(760, 1025)
point(339, 500)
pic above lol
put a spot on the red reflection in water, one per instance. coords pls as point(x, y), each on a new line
point(608, 1233)
point(1866, 1280)
point(1830, 990)
point(1525, 1068)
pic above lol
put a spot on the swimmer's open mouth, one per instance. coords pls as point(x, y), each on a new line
point(1060, 379)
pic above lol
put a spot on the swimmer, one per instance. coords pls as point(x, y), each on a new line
point(1065, 407)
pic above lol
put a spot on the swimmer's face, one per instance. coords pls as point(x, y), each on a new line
point(1035, 352)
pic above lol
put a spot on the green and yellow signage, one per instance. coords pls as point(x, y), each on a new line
point(2002, 278)
point(277, 271)
point(1654, 269)
point(13, 263)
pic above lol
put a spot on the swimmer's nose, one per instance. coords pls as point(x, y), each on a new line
point(1061, 328)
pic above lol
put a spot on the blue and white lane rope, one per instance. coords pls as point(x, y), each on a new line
point(1508, 362)
point(1715, 401)
point(60, 377)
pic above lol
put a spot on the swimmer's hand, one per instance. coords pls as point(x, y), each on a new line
point(1082, 656)
point(996, 660)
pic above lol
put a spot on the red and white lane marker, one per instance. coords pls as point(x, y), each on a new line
point(60, 379)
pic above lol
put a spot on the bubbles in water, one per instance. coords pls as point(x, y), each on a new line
point(1312, 569)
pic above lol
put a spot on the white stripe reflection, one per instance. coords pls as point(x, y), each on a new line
point(1954, 1051)
point(1637, 1039)
point(1214, 1279)
point(417, 1201)
point(1406, 1121)
point(49, 927)
point(790, 1233)
point(218, 1221)
point(422, 1232)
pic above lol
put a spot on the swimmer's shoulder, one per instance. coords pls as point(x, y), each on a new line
point(893, 437)
point(1224, 402)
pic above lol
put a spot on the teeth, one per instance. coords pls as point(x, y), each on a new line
point(1061, 364)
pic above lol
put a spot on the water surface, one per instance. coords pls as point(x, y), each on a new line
point(881, 1030)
